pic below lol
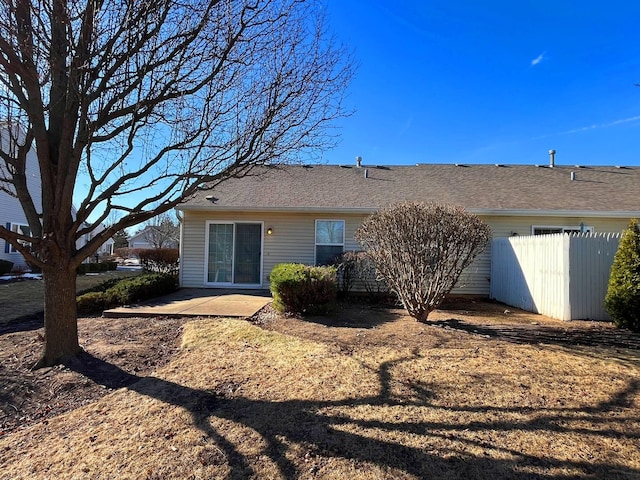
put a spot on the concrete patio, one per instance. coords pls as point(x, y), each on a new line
point(198, 302)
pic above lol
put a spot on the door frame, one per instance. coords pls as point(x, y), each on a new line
point(231, 284)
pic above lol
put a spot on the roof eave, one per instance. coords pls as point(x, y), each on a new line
point(214, 208)
point(554, 213)
point(498, 212)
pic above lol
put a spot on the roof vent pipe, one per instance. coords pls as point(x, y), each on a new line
point(573, 176)
point(366, 173)
point(358, 162)
point(552, 158)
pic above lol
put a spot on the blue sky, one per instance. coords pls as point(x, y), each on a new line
point(491, 82)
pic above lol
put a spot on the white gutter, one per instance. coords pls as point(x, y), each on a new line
point(368, 210)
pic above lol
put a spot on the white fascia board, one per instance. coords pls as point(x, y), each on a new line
point(202, 208)
point(369, 210)
point(554, 213)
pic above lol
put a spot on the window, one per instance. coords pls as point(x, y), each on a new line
point(22, 229)
point(546, 230)
point(329, 241)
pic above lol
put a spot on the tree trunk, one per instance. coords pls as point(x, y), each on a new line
point(60, 316)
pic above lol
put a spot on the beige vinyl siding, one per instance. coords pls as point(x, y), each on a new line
point(293, 240)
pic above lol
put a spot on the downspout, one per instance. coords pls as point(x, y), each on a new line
point(180, 259)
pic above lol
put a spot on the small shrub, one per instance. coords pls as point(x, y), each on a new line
point(357, 271)
point(622, 301)
point(102, 287)
point(298, 288)
point(100, 267)
point(123, 252)
point(5, 267)
point(159, 260)
point(140, 288)
point(19, 271)
point(117, 291)
point(91, 302)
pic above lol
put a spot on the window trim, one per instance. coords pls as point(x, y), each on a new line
point(10, 247)
point(315, 237)
point(565, 229)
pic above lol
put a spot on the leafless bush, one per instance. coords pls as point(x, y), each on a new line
point(357, 270)
point(421, 249)
point(160, 260)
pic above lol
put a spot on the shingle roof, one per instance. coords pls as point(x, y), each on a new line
point(479, 188)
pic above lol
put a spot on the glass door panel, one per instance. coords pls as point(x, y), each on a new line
point(248, 246)
point(220, 266)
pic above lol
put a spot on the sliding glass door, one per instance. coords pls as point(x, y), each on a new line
point(234, 253)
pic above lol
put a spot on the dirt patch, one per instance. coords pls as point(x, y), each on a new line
point(135, 345)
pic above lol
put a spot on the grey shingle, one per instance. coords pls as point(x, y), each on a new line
point(475, 187)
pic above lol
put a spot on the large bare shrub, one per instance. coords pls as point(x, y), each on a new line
point(421, 249)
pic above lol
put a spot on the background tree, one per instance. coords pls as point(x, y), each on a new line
point(133, 106)
point(622, 301)
point(421, 249)
point(161, 231)
point(120, 239)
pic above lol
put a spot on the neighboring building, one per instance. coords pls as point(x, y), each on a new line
point(105, 250)
point(235, 234)
point(141, 240)
point(13, 218)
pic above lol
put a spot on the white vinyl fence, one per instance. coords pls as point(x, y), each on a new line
point(562, 276)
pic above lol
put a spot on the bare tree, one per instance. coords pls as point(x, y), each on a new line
point(161, 231)
point(134, 106)
point(421, 249)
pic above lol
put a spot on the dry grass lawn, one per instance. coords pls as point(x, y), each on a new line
point(26, 297)
point(388, 399)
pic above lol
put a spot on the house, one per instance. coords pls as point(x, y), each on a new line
point(12, 216)
point(151, 237)
point(234, 234)
point(105, 250)
point(139, 240)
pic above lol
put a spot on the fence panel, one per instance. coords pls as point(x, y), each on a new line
point(561, 276)
point(529, 273)
point(591, 257)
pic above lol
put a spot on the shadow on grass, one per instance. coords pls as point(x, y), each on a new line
point(311, 423)
point(358, 314)
point(570, 336)
point(26, 323)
